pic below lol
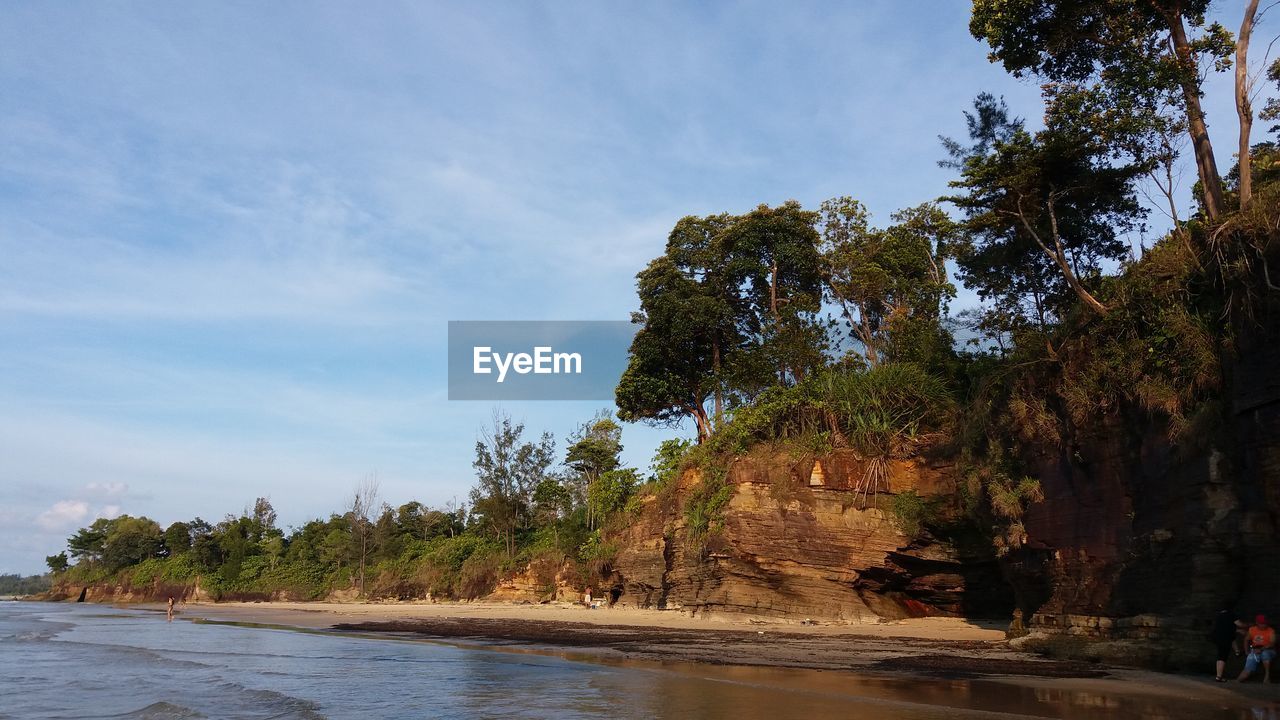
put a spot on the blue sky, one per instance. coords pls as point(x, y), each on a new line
point(231, 234)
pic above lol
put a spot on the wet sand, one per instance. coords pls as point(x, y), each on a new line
point(938, 648)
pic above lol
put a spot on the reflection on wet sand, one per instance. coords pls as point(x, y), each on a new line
point(750, 693)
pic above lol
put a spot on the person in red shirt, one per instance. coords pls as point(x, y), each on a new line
point(1262, 649)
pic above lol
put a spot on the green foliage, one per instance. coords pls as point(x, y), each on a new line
point(177, 538)
point(508, 470)
point(704, 508)
point(729, 309)
point(912, 513)
point(593, 456)
point(667, 461)
point(890, 285)
point(779, 413)
point(596, 551)
point(883, 409)
point(478, 574)
point(610, 493)
point(1054, 204)
point(18, 585)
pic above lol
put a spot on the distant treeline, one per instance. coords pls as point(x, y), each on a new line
point(530, 507)
point(19, 585)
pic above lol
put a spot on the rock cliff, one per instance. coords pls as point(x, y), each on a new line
point(797, 540)
point(1142, 536)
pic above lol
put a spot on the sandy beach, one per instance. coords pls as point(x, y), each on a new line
point(948, 648)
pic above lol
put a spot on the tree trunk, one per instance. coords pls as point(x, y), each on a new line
point(838, 438)
point(715, 366)
point(867, 337)
point(773, 291)
point(1243, 107)
point(1058, 254)
point(1206, 165)
point(362, 556)
point(700, 419)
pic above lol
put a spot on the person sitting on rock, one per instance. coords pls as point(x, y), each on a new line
point(1262, 649)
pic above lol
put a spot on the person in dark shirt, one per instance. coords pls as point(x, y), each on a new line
point(1226, 629)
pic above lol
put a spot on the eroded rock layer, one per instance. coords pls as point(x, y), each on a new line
point(801, 537)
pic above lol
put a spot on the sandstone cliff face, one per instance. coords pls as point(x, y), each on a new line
point(1140, 537)
point(798, 540)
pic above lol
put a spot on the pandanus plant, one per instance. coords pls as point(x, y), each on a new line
point(880, 412)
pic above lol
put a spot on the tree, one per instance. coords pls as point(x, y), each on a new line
point(771, 256)
point(87, 543)
point(891, 285)
point(691, 339)
point(1043, 209)
point(728, 309)
point(57, 563)
point(593, 452)
point(611, 491)
point(508, 470)
point(204, 546)
point(264, 519)
point(177, 538)
point(1131, 45)
point(130, 540)
point(1272, 109)
point(361, 509)
point(551, 501)
point(667, 459)
point(1244, 102)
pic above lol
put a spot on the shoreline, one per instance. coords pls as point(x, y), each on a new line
point(927, 648)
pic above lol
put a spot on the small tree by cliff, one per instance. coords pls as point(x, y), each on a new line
point(508, 470)
point(361, 509)
point(592, 454)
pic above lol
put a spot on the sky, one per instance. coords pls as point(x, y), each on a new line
point(232, 234)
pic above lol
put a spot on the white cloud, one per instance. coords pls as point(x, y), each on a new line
point(64, 515)
point(107, 488)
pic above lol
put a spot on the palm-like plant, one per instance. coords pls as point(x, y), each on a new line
point(881, 411)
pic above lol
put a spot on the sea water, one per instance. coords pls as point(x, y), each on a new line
point(91, 661)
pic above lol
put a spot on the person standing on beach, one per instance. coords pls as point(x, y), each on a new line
point(1262, 649)
point(1226, 628)
point(169, 612)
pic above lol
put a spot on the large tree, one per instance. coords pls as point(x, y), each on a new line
point(1153, 47)
point(772, 259)
point(675, 362)
point(727, 310)
point(1043, 209)
point(890, 285)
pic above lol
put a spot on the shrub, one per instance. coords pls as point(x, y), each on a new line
point(881, 411)
point(478, 575)
point(704, 508)
point(911, 513)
